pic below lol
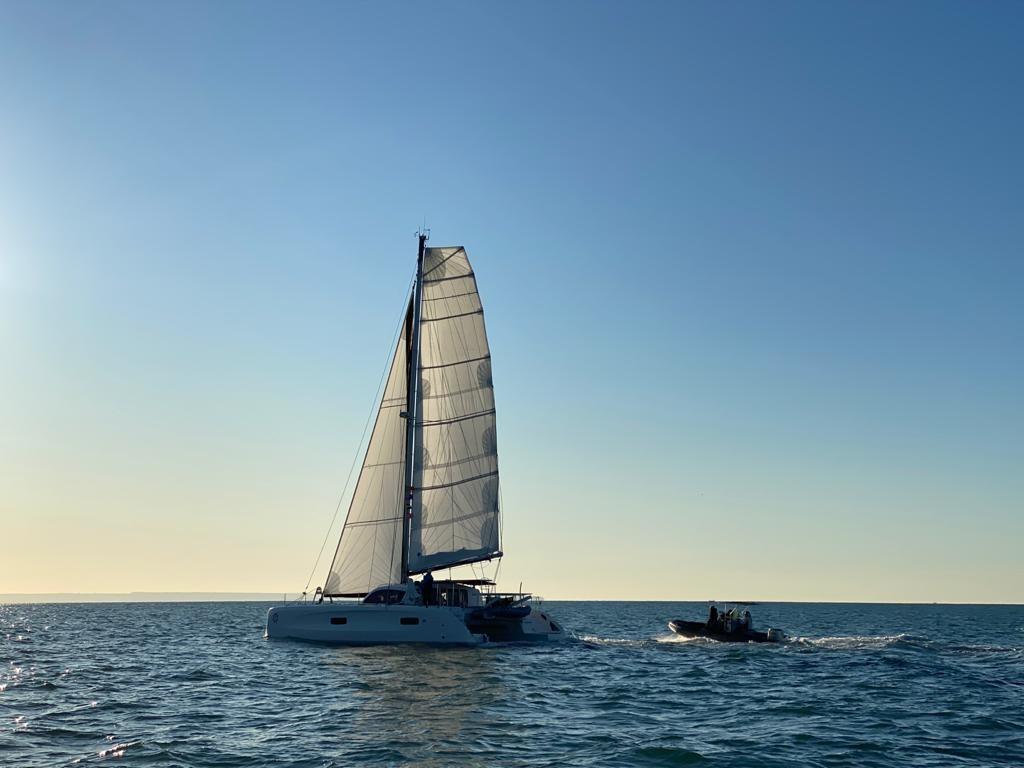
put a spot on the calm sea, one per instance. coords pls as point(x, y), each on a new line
point(196, 684)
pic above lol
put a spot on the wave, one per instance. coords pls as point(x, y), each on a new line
point(859, 686)
point(665, 756)
point(196, 675)
point(900, 641)
point(118, 750)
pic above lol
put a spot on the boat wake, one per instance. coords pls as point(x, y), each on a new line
point(616, 642)
point(642, 642)
point(902, 641)
point(674, 639)
point(864, 642)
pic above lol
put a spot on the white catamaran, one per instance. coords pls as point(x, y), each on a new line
point(427, 494)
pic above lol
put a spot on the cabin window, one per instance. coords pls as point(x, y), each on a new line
point(387, 596)
point(339, 620)
point(410, 620)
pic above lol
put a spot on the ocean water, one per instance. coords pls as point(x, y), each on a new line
point(196, 684)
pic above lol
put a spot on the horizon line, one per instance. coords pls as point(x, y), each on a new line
point(263, 597)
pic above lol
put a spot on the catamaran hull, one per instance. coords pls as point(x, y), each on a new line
point(362, 624)
point(370, 624)
point(532, 626)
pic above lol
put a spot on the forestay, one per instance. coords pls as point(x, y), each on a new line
point(369, 552)
point(455, 469)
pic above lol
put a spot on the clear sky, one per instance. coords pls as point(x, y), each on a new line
point(753, 276)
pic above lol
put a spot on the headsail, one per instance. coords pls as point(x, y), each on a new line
point(369, 552)
point(455, 470)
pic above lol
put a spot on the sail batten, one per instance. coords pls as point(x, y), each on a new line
point(456, 419)
point(455, 362)
point(447, 279)
point(458, 482)
point(452, 317)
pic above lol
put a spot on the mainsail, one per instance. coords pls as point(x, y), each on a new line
point(369, 552)
point(453, 515)
point(455, 471)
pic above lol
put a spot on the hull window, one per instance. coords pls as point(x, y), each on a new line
point(339, 620)
point(409, 620)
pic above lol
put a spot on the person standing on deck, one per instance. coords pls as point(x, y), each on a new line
point(427, 587)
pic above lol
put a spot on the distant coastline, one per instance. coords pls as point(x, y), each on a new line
point(144, 597)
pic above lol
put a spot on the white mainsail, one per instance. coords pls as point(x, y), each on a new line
point(369, 552)
point(455, 471)
point(453, 517)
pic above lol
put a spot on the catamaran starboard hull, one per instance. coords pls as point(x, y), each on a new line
point(361, 624)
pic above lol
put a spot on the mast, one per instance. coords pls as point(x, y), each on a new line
point(412, 381)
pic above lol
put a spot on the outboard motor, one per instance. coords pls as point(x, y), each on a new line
point(776, 635)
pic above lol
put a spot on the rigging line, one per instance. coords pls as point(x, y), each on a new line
point(501, 522)
point(369, 418)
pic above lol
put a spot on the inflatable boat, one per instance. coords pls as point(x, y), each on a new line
point(701, 629)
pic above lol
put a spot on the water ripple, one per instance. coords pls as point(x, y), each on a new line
point(198, 685)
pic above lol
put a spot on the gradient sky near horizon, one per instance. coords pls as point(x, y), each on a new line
point(753, 276)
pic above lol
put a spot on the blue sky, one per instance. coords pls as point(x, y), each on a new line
point(752, 276)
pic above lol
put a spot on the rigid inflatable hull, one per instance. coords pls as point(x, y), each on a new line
point(700, 629)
